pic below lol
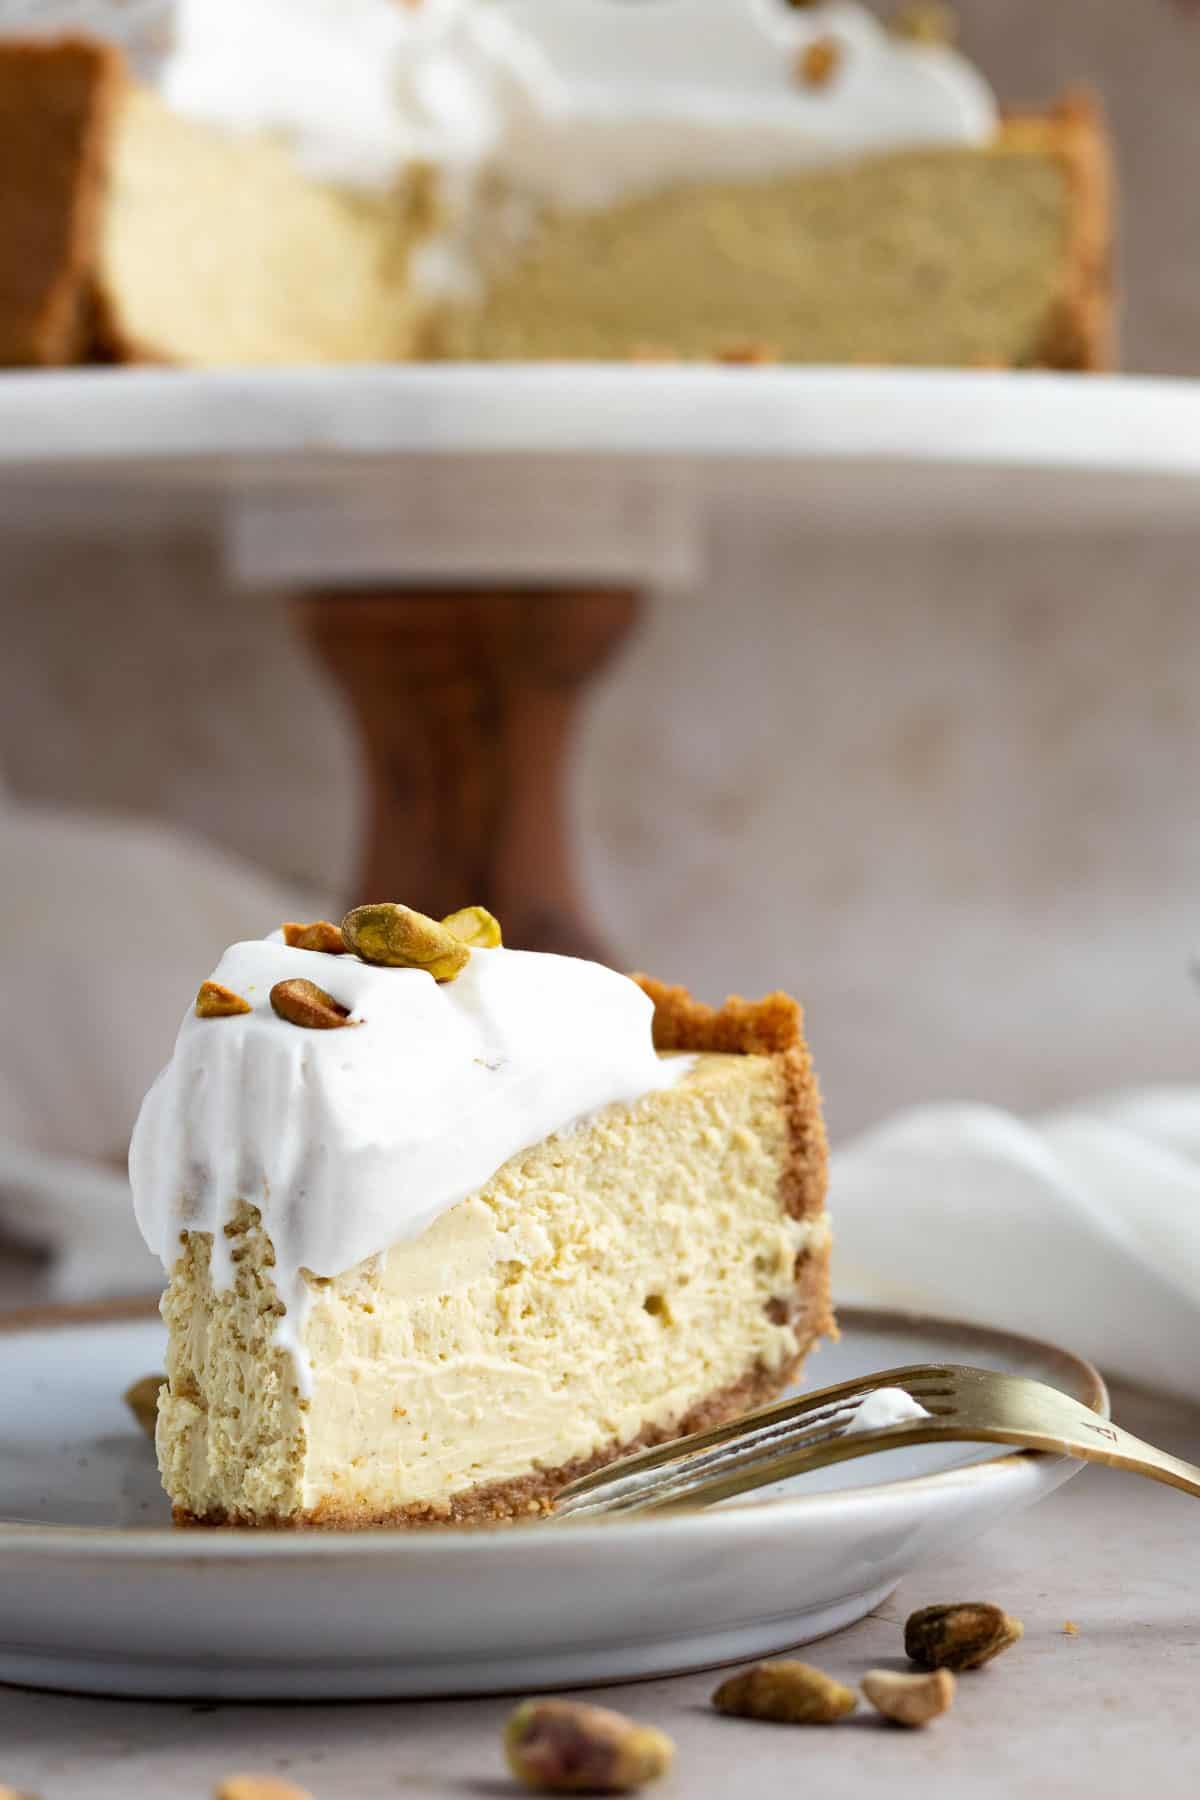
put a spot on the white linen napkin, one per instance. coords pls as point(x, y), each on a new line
point(1081, 1227)
point(104, 924)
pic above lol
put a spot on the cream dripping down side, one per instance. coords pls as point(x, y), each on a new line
point(352, 1140)
point(580, 102)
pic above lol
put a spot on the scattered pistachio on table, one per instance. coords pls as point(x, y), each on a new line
point(142, 1401)
point(259, 1787)
point(909, 1699)
point(566, 1747)
point(959, 1637)
point(786, 1693)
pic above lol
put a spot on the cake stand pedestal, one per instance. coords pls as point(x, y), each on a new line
point(468, 541)
point(465, 700)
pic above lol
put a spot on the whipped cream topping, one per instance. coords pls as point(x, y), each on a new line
point(352, 1140)
point(663, 91)
point(581, 102)
point(886, 1406)
point(362, 88)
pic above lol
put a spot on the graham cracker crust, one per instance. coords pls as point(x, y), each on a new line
point(58, 101)
point(1081, 333)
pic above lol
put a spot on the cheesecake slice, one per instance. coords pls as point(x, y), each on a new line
point(134, 234)
point(655, 1262)
point(740, 180)
point(993, 255)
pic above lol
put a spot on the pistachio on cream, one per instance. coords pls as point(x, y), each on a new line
point(320, 935)
point(213, 1001)
point(396, 937)
point(304, 1003)
point(476, 926)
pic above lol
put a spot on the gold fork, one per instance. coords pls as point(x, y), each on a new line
point(963, 1404)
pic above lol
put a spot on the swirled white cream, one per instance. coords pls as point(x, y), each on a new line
point(362, 88)
point(666, 91)
point(884, 1407)
point(581, 102)
point(352, 1140)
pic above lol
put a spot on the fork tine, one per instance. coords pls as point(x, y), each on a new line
point(915, 1378)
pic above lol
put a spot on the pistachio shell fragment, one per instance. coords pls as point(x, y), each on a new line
point(959, 1637)
point(142, 1401)
point(396, 937)
point(320, 935)
point(819, 62)
point(476, 926)
point(304, 1003)
point(565, 1747)
point(259, 1787)
point(926, 22)
point(909, 1699)
point(785, 1693)
point(216, 1002)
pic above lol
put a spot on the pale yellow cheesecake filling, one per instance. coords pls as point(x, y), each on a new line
point(919, 257)
point(604, 1282)
point(218, 249)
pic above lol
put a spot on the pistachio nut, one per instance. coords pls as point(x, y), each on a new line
point(142, 1401)
point(475, 926)
point(787, 1693)
point(565, 1747)
point(216, 1002)
point(959, 1637)
point(909, 1699)
point(399, 938)
point(320, 935)
point(304, 1003)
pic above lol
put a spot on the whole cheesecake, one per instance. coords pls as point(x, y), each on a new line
point(516, 180)
point(443, 1246)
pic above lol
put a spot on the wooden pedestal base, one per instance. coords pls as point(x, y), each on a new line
point(465, 702)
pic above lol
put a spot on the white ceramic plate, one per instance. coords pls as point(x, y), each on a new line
point(99, 1593)
point(1034, 419)
point(458, 468)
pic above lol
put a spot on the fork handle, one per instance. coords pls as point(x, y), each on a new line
point(1124, 1451)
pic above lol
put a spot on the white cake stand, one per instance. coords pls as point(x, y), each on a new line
point(468, 544)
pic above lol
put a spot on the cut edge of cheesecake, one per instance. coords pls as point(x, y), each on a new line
point(770, 1028)
point(1081, 333)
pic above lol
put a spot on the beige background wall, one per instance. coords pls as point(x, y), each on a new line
point(947, 790)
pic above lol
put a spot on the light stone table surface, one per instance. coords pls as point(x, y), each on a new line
point(1110, 1712)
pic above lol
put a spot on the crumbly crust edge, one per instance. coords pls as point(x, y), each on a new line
point(63, 332)
point(1081, 333)
point(773, 1026)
